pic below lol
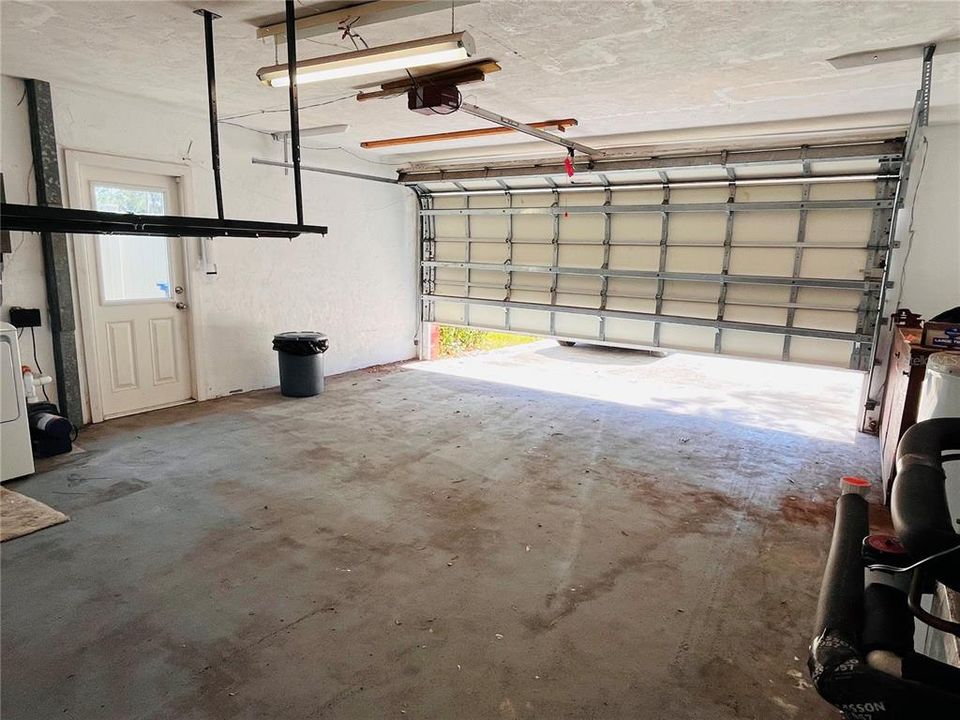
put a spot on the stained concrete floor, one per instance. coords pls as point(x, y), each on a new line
point(541, 532)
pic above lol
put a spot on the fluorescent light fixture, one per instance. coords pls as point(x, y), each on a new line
point(399, 56)
point(310, 132)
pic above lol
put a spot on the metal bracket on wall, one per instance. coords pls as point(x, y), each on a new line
point(926, 83)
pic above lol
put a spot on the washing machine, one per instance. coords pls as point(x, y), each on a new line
point(940, 397)
point(16, 456)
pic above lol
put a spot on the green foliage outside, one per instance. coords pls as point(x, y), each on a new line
point(459, 341)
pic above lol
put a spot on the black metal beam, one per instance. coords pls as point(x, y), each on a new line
point(208, 18)
point(56, 260)
point(31, 218)
point(294, 106)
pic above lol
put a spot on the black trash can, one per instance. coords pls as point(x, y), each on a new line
point(301, 362)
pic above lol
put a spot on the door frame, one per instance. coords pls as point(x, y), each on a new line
point(75, 162)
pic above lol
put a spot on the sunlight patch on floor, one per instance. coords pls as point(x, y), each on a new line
point(814, 402)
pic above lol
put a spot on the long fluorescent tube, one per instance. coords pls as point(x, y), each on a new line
point(399, 56)
point(310, 132)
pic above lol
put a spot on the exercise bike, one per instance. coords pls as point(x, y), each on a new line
point(863, 659)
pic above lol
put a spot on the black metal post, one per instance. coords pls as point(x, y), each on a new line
point(294, 106)
point(208, 18)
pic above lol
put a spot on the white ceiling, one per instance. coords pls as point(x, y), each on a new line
point(621, 68)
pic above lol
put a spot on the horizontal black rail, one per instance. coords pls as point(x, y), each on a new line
point(33, 218)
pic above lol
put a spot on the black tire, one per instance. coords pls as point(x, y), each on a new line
point(566, 343)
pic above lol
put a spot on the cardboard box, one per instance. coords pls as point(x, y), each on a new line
point(942, 335)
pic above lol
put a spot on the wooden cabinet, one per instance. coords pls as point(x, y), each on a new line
point(905, 370)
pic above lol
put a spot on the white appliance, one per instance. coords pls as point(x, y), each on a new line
point(940, 397)
point(16, 455)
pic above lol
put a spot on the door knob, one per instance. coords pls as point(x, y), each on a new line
point(181, 306)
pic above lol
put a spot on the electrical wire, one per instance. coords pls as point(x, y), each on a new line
point(286, 110)
point(924, 561)
point(33, 340)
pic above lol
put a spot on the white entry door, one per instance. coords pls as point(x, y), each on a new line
point(139, 297)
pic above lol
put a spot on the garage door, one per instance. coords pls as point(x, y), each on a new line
point(769, 254)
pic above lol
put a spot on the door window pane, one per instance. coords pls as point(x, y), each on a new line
point(132, 267)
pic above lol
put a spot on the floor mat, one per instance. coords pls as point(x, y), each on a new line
point(20, 515)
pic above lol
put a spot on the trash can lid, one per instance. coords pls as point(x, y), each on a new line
point(303, 335)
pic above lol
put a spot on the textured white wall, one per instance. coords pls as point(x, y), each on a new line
point(357, 284)
point(23, 281)
point(926, 268)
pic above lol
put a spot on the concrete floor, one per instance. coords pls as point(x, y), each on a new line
point(540, 532)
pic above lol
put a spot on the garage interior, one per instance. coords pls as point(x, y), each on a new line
point(733, 229)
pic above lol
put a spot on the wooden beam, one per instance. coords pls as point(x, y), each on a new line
point(368, 13)
point(560, 125)
point(461, 75)
point(451, 75)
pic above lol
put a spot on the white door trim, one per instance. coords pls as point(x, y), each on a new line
point(75, 161)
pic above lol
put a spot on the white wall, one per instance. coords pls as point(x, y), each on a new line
point(23, 280)
point(357, 284)
point(928, 227)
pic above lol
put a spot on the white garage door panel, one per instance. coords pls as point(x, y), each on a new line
point(765, 228)
point(532, 254)
point(756, 314)
point(490, 317)
point(579, 300)
point(451, 227)
point(690, 309)
point(626, 257)
point(760, 294)
point(838, 226)
point(580, 283)
point(761, 261)
point(631, 304)
point(532, 227)
point(530, 321)
point(450, 313)
point(630, 332)
point(497, 253)
point(581, 227)
point(698, 227)
point(489, 227)
point(817, 351)
point(843, 191)
point(687, 337)
point(751, 344)
point(746, 264)
point(691, 290)
point(581, 326)
point(695, 259)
